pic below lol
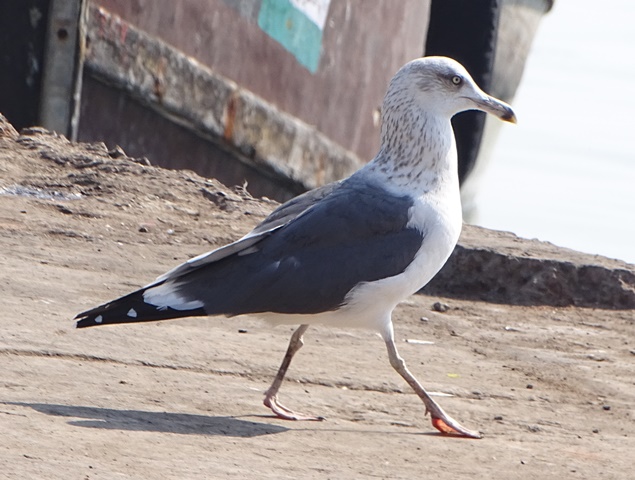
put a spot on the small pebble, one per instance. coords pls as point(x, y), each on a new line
point(595, 430)
point(498, 417)
point(530, 386)
point(242, 330)
point(606, 408)
point(424, 319)
point(440, 307)
point(116, 152)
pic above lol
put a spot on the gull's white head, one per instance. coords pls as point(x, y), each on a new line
point(417, 142)
point(441, 86)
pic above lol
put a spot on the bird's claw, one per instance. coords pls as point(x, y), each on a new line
point(446, 424)
point(449, 426)
point(285, 413)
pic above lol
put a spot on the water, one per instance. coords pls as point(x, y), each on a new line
point(566, 172)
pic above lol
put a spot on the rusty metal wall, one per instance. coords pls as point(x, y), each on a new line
point(361, 47)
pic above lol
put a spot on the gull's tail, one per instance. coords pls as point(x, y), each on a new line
point(134, 307)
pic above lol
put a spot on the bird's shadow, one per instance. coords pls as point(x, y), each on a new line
point(147, 421)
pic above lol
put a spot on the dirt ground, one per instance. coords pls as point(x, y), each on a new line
point(552, 389)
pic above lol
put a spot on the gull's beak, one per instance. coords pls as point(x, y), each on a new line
point(494, 106)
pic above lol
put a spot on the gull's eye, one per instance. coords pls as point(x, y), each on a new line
point(457, 80)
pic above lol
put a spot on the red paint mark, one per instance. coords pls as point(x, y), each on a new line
point(230, 117)
point(123, 32)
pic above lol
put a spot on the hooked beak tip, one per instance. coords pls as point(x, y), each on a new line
point(496, 107)
point(509, 116)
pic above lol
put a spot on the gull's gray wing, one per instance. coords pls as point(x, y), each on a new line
point(288, 211)
point(311, 254)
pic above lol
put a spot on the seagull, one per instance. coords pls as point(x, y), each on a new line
point(344, 254)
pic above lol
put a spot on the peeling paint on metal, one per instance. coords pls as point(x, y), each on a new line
point(297, 25)
point(230, 117)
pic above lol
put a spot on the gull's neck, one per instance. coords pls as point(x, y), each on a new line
point(418, 151)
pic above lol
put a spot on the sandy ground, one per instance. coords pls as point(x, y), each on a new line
point(553, 390)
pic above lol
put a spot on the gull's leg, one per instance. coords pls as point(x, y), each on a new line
point(271, 395)
point(440, 420)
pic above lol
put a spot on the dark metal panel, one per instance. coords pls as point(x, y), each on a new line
point(22, 36)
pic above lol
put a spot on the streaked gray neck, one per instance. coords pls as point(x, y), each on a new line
point(417, 149)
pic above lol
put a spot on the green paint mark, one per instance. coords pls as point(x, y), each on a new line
point(293, 30)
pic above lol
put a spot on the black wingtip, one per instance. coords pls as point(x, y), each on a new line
point(89, 321)
point(95, 316)
point(131, 308)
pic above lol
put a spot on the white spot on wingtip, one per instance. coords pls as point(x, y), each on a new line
point(132, 313)
point(99, 319)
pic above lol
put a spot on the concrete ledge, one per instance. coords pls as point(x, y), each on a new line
point(501, 267)
point(190, 94)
